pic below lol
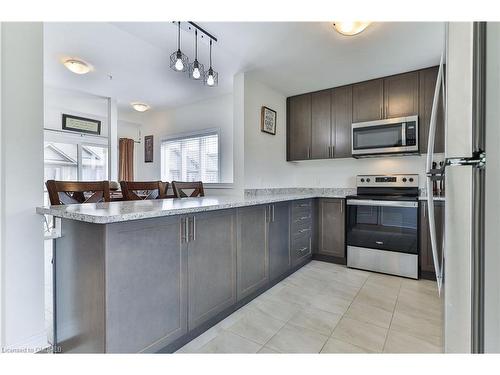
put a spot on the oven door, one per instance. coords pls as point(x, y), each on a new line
point(383, 225)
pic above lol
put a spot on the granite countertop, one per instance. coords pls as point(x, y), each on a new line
point(113, 212)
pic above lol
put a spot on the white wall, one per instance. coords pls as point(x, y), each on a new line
point(58, 101)
point(22, 185)
point(164, 123)
point(265, 162)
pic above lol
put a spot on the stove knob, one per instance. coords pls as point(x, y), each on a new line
point(404, 179)
point(362, 180)
point(411, 179)
point(367, 180)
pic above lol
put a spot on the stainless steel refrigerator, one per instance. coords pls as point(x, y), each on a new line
point(467, 272)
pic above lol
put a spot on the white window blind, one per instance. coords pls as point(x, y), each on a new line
point(191, 158)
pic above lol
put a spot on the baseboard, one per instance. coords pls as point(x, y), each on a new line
point(329, 259)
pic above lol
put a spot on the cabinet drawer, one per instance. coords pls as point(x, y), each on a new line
point(301, 231)
point(301, 247)
point(301, 205)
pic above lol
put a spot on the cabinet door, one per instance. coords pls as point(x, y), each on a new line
point(211, 265)
point(146, 270)
point(401, 95)
point(321, 125)
point(279, 240)
point(342, 121)
point(331, 227)
point(252, 253)
point(427, 82)
point(368, 100)
point(426, 259)
point(299, 127)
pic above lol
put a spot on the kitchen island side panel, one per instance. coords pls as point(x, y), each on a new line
point(79, 288)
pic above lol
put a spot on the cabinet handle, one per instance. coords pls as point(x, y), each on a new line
point(304, 230)
point(341, 206)
point(192, 228)
point(300, 251)
point(333, 150)
point(184, 232)
point(303, 218)
point(272, 217)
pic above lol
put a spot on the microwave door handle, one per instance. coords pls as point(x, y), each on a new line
point(403, 134)
point(430, 194)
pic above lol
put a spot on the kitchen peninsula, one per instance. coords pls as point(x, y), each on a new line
point(148, 276)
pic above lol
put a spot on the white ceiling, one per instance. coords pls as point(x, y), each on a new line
point(291, 57)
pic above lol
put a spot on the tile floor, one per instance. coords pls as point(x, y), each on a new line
point(328, 308)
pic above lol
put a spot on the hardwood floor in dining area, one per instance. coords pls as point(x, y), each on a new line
point(328, 308)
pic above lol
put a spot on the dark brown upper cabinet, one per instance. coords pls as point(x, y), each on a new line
point(401, 95)
point(341, 121)
point(368, 101)
point(321, 125)
point(427, 84)
point(299, 127)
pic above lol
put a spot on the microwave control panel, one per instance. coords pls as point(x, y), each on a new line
point(411, 133)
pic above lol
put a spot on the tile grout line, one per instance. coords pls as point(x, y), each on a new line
point(342, 317)
point(392, 317)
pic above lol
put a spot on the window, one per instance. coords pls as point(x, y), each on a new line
point(191, 158)
point(74, 162)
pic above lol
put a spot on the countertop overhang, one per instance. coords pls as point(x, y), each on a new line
point(114, 212)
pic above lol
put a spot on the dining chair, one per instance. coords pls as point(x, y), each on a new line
point(165, 186)
point(76, 192)
point(179, 188)
point(142, 190)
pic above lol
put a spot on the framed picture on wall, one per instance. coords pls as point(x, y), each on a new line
point(268, 120)
point(81, 124)
point(148, 149)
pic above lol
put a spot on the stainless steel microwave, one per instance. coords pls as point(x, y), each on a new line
point(385, 137)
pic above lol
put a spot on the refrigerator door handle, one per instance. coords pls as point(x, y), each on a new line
point(438, 266)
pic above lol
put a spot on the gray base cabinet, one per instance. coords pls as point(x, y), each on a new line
point(146, 270)
point(211, 265)
point(252, 250)
point(279, 239)
point(331, 227)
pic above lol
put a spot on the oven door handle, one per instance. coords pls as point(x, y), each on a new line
point(370, 202)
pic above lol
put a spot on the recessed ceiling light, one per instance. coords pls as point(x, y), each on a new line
point(350, 27)
point(140, 107)
point(77, 66)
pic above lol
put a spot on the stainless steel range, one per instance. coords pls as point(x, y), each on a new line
point(382, 224)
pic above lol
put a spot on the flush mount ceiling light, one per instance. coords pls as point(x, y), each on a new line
point(77, 66)
point(350, 27)
point(196, 70)
point(211, 76)
point(140, 107)
point(178, 60)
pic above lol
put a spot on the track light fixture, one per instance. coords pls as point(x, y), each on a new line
point(179, 62)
